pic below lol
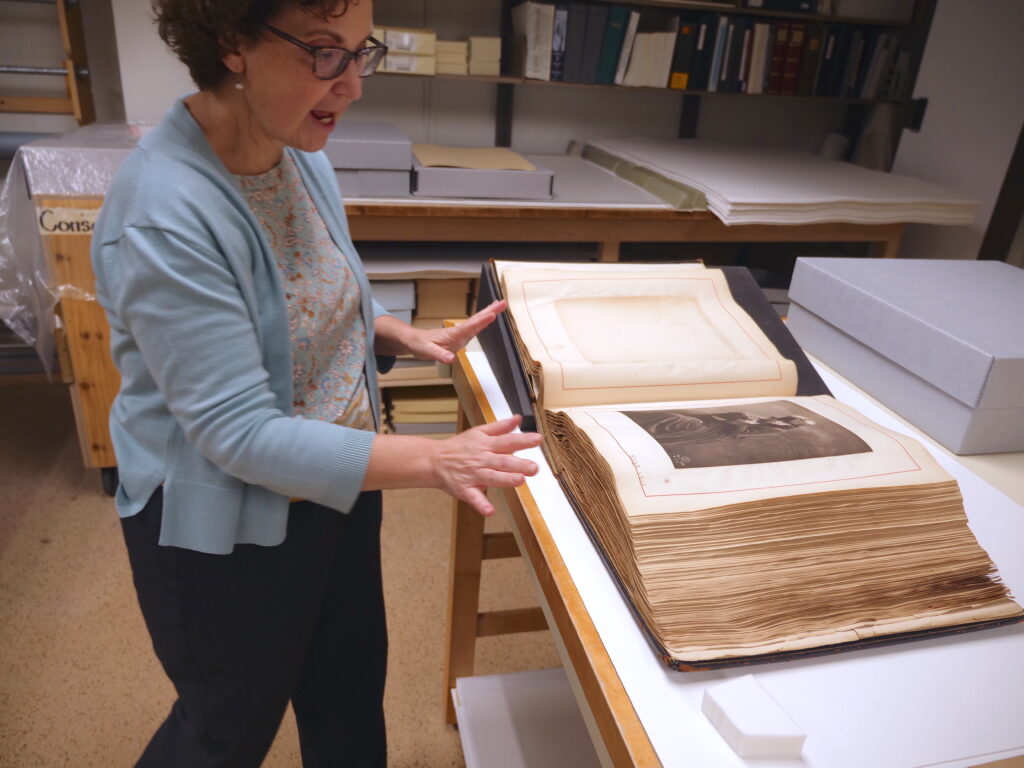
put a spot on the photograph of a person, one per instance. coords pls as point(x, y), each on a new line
point(758, 433)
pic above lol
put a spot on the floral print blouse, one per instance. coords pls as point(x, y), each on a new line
point(326, 327)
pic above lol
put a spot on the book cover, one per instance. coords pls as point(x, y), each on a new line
point(558, 30)
point(729, 82)
point(614, 34)
point(575, 36)
point(593, 38)
point(794, 58)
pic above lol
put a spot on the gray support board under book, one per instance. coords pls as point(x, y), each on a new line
point(940, 342)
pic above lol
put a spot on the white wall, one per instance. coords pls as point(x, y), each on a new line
point(151, 77)
point(971, 76)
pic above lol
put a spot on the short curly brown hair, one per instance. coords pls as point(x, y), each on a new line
point(196, 30)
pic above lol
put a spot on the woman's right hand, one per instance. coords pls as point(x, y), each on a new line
point(479, 458)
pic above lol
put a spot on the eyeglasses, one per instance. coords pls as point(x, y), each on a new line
point(329, 63)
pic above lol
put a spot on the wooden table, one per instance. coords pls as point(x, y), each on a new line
point(609, 227)
point(621, 739)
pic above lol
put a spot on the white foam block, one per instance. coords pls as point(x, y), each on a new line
point(751, 721)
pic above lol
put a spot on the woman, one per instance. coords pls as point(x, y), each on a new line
point(247, 341)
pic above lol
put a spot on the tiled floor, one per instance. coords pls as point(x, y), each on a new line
point(79, 685)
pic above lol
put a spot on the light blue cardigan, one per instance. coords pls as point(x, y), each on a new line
point(199, 332)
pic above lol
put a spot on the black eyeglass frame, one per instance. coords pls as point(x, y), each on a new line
point(349, 55)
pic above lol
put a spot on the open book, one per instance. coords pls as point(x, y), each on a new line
point(742, 521)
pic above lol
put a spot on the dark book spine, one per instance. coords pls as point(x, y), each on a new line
point(615, 31)
point(811, 61)
point(794, 58)
point(574, 37)
point(871, 38)
point(597, 20)
point(728, 55)
point(839, 61)
point(743, 76)
point(828, 52)
point(558, 41)
point(787, 6)
point(682, 57)
point(704, 46)
point(780, 49)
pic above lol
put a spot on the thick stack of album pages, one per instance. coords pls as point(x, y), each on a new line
point(742, 521)
point(746, 184)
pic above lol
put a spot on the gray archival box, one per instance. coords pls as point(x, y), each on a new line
point(369, 145)
point(488, 184)
point(939, 342)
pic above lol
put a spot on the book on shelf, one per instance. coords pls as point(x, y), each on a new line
point(559, 27)
point(611, 46)
point(743, 73)
point(575, 38)
point(627, 47)
point(721, 35)
point(786, 6)
point(777, 67)
point(707, 29)
point(593, 38)
point(744, 513)
point(759, 57)
point(811, 62)
point(682, 57)
point(794, 59)
point(533, 24)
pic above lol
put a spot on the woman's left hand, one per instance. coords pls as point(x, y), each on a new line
point(396, 338)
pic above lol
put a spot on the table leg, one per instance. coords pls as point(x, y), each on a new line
point(463, 592)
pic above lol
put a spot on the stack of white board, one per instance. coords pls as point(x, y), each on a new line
point(746, 184)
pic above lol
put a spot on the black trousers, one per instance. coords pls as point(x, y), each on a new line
point(241, 634)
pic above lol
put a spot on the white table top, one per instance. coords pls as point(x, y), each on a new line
point(953, 701)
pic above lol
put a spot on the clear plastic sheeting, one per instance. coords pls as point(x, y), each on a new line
point(78, 164)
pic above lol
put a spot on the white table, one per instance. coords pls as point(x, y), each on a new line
point(954, 701)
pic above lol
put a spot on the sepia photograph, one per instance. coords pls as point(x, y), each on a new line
point(757, 433)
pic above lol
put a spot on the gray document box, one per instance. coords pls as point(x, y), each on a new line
point(939, 342)
point(370, 145)
point(473, 183)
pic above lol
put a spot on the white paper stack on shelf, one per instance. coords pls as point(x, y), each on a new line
point(747, 184)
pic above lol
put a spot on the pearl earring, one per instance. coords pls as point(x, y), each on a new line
point(238, 83)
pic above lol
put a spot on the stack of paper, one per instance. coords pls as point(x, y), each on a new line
point(747, 184)
point(422, 410)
